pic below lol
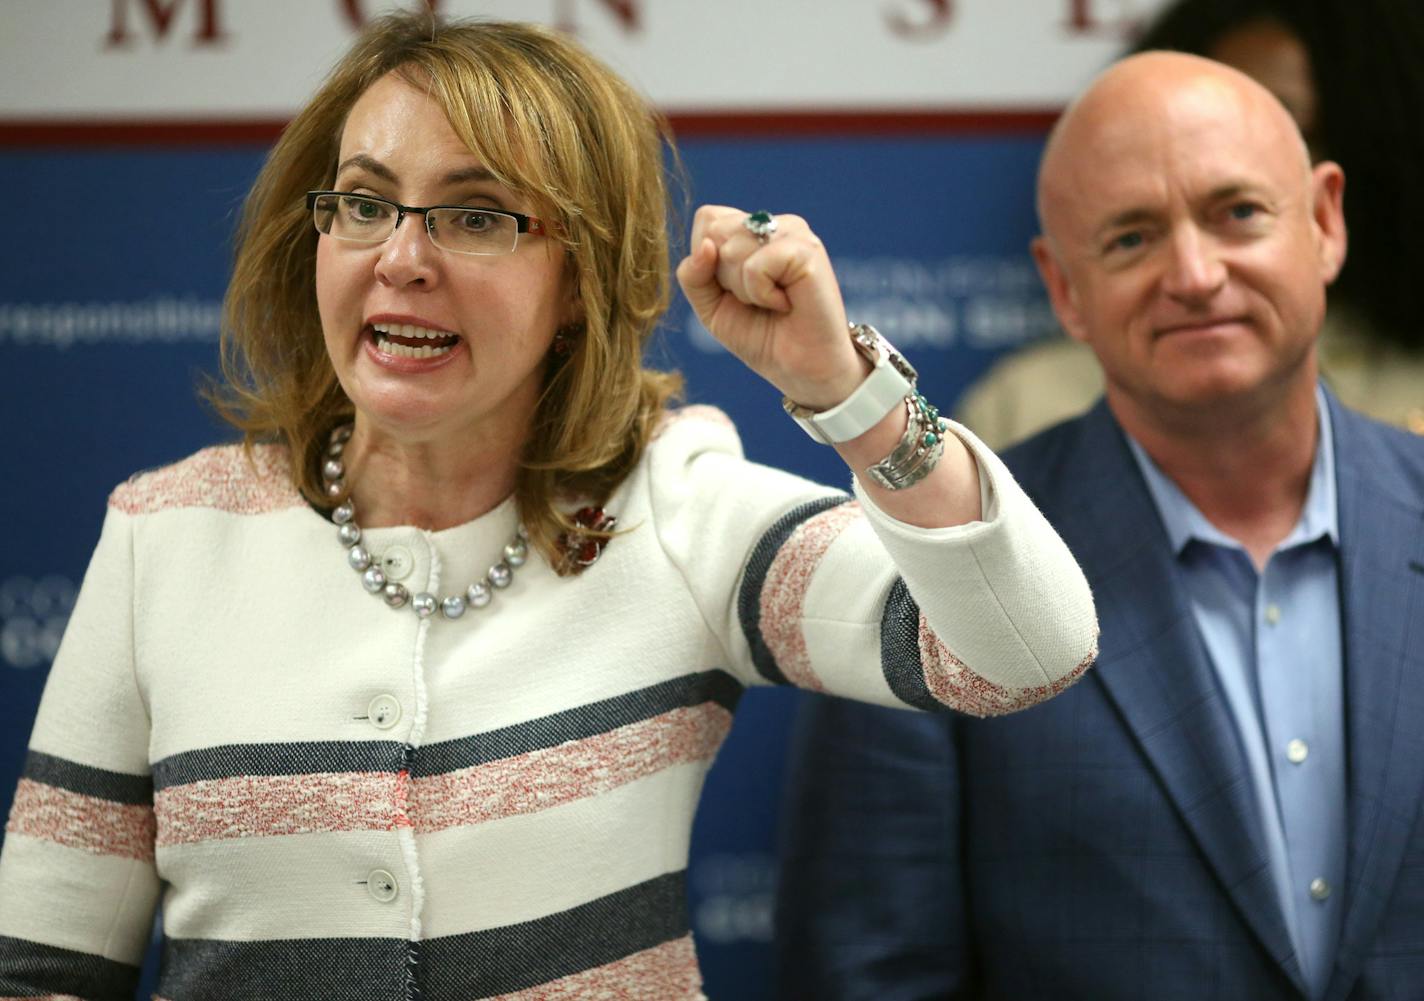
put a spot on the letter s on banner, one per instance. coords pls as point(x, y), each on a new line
point(933, 20)
point(625, 13)
point(1082, 20)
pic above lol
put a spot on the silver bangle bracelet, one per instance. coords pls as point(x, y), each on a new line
point(918, 451)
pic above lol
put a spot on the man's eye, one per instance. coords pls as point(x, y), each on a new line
point(1244, 210)
point(1126, 241)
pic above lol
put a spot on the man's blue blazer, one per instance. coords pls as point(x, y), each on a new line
point(1104, 845)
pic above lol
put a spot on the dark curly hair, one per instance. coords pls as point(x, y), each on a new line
point(1365, 58)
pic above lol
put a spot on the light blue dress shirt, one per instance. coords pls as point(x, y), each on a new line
point(1274, 642)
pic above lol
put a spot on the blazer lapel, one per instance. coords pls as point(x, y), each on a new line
point(1156, 671)
point(1382, 598)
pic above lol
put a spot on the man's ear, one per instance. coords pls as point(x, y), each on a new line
point(1060, 289)
point(1328, 215)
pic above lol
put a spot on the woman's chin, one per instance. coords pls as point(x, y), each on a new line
point(407, 417)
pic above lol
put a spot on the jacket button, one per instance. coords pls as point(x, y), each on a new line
point(384, 711)
point(382, 886)
point(397, 563)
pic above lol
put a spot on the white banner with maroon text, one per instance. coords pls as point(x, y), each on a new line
point(74, 60)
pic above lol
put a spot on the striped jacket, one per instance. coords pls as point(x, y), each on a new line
point(335, 800)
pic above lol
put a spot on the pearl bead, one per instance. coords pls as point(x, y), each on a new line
point(516, 552)
point(373, 577)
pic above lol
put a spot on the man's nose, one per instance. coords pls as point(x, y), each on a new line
point(1195, 269)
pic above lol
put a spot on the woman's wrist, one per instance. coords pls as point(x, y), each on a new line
point(889, 381)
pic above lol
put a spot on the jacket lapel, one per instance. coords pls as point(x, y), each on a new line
point(1382, 598)
point(1156, 671)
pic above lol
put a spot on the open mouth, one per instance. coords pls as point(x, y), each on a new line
point(405, 340)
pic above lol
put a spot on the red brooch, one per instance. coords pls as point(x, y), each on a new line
point(579, 549)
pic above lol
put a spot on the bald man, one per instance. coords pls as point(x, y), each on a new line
point(1228, 806)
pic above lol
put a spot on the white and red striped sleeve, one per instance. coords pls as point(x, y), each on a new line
point(823, 591)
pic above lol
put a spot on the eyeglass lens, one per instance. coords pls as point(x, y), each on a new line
point(461, 230)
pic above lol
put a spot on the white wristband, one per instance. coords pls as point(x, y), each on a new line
point(891, 379)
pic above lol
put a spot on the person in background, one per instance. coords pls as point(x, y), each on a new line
point(1231, 806)
point(1348, 73)
point(413, 695)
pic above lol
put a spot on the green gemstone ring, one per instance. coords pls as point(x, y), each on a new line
point(761, 225)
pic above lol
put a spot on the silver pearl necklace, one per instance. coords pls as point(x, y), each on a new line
point(373, 578)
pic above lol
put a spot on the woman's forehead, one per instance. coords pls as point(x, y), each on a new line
point(395, 126)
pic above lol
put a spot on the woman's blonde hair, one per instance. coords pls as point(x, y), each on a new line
point(551, 123)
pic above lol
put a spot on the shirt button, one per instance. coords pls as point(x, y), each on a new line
point(397, 563)
point(1319, 888)
point(1273, 614)
point(1296, 751)
point(384, 711)
point(382, 886)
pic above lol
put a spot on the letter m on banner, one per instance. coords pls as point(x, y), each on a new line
point(160, 14)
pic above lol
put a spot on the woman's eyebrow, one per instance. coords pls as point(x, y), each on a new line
point(469, 174)
point(367, 163)
point(374, 166)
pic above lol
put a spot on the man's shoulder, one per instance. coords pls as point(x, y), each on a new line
point(1390, 457)
point(1046, 462)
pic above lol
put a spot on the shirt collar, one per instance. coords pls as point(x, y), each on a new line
point(1318, 518)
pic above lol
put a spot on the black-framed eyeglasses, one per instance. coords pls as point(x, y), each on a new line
point(460, 229)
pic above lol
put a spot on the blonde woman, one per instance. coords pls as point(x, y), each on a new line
point(412, 694)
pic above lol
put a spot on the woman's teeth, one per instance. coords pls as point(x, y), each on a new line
point(385, 332)
point(406, 351)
